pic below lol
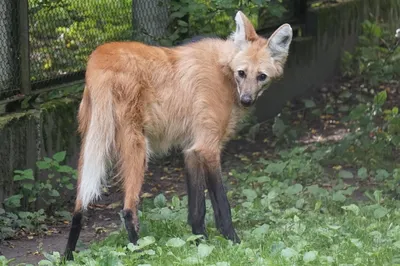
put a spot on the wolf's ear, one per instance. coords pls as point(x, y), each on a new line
point(279, 43)
point(245, 31)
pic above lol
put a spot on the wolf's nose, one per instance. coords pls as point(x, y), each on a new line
point(246, 100)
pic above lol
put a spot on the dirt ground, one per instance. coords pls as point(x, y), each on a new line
point(167, 176)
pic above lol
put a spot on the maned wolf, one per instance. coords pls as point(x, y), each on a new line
point(141, 100)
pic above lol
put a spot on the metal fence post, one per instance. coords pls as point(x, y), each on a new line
point(24, 46)
point(7, 62)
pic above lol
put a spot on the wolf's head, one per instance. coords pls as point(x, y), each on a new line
point(258, 60)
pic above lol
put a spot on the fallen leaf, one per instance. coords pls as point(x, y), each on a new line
point(345, 174)
point(100, 230)
point(114, 205)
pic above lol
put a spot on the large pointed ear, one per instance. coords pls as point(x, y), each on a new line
point(279, 43)
point(245, 31)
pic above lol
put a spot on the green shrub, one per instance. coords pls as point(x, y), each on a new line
point(36, 201)
point(376, 57)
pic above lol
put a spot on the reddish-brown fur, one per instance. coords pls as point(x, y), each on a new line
point(154, 98)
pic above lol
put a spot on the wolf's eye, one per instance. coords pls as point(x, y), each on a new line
point(241, 74)
point(262, 77)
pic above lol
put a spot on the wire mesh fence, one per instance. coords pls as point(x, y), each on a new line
point(150, 18)
point(9, 74)
point(48, 42)
point(64, 32)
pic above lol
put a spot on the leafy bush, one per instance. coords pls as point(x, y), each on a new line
point(36, 200)
point(374, 135)
point(363, 117)
point(376, 57)
point(214, 17)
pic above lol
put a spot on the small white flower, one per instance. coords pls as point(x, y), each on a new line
point(397, 34)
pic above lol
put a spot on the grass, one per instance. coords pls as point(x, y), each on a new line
point(296, 204)
point(301, 204)
point(282, 216)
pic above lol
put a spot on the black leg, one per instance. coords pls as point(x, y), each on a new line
point(220, 203)
point(74, 232)
point(217, 214)
point(130, 226)
point(195, 175)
